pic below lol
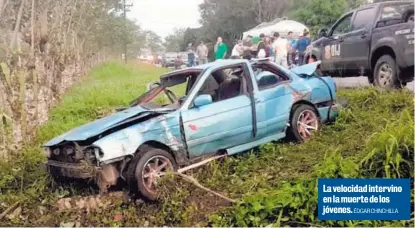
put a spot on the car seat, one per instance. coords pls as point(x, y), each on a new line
point(229, 88)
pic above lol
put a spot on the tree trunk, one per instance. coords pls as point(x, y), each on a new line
point(32, 32)
point(1, 7)
point(17, 26)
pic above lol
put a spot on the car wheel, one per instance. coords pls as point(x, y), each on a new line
point(146, 168)
point(386, 75)
point(304, 121)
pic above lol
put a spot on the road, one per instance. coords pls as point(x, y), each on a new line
point(360, 82)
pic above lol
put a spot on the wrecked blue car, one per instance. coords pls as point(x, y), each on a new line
point(227, 107)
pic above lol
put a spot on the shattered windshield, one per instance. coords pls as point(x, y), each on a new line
point(170, 92)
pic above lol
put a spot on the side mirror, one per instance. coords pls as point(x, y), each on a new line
point(322, 32)
point(203, 99)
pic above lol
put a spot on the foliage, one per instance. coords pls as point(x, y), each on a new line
point(48, 45)
point(320, 13)
point(174, 41)
point(230, 18)
point(388, 153)
point(153, 41)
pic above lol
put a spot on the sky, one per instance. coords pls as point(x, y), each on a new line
point(163, 16)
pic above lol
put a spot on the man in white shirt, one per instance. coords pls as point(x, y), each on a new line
point(237, 50)
point(280, 47)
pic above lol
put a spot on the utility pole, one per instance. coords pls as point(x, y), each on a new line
point(125, 29)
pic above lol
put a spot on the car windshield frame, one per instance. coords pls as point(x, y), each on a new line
point(167, 81)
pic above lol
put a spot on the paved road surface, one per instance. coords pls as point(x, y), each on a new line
point(360, 82)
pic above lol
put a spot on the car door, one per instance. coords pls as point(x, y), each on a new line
point(272, 101)
point(223, 123)
point(333, 53)
point(356, 44)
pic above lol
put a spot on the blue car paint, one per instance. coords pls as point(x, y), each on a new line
point(96, 127)
point(221, 125)
point(164, 129)
point(307, 69)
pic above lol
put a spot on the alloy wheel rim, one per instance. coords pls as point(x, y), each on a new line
point(385, 75)
point(155, 168)
point(307, 123)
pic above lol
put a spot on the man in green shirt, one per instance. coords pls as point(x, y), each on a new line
point(220, 49)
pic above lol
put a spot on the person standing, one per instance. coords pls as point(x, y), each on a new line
point(301, 47)
point(191, 54)
point(280, 50)
point(247, 48)
point(290, 48)
point(202, 52)
point(268, 49)
point(262, 47)
point(220, 49)
point(237, 50)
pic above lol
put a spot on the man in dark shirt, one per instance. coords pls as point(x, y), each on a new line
point(301, 47)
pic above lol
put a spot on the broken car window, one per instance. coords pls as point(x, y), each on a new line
point(171, 93)
point(224, 84)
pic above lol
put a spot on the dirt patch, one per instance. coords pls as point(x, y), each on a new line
point(205, 204)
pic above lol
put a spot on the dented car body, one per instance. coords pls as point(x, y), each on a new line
point(228, 106)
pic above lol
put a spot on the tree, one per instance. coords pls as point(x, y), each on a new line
point(153, 41)
point(45, 46)
point(320, 13)
point(355, 3)
point(175, 41)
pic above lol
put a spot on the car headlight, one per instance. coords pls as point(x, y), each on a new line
point(46, 152)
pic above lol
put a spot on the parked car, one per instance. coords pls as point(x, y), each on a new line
point(184, 57)
point(228, 106)
point(375, 40)
point(179, 62)
point(168, 59)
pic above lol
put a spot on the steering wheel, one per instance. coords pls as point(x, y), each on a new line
point(172, 97)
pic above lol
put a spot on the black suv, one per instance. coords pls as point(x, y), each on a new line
point(375, 40)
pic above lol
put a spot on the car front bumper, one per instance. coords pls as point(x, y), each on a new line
point(71, 170)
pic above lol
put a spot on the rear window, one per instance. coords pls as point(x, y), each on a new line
point(363, 19)
point(393, 11)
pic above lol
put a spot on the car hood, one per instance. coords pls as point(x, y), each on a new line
point(99, 126)
point(306, 70)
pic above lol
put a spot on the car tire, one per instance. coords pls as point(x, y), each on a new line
point(408, 15)
point(301, 115)
point(386, 73)
point(142, 171)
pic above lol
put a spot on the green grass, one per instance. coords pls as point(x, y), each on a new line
point(108, 86)
point(273, 185)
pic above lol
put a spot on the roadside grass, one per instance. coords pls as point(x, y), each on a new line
point(274, 184)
